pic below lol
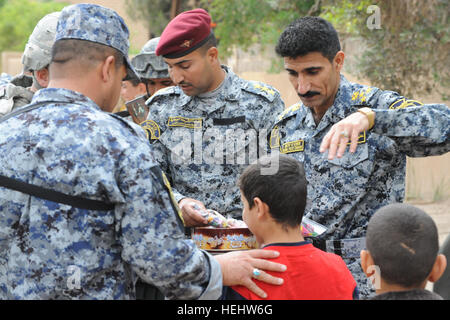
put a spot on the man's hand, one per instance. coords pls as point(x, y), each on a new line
point(237, 268)
point(191, 216)
point(342, 132)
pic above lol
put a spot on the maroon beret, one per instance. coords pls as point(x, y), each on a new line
point(185, 33)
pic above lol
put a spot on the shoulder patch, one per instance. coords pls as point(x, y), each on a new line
point(151, 129)
point(403, 103)
point(289, 111)
point(261, 89)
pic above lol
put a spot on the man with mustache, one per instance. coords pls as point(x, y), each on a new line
point(195, 125)
point(380, 128)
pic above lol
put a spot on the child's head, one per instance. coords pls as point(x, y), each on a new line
point(402, 241)
point(282, 194)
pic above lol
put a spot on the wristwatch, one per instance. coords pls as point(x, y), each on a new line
point(370, 114)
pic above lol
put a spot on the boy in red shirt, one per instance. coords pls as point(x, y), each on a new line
point(273, 211)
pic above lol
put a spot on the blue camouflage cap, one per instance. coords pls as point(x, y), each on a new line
point(97, 24)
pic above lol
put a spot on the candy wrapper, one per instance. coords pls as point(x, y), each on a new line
point(214, 218)
point(311, 228)
point(233, 223)
point(217, 220)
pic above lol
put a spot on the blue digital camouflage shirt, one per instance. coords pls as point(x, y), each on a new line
point(50, 250)
point(344, 193)
point(204, 144)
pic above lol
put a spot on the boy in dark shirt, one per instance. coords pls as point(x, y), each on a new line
point(402, 253)
point(273, 211)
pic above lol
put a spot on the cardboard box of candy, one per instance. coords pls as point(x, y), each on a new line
point(222, 234)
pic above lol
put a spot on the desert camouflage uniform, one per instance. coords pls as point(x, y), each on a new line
point(15, 94)
point(4, 78)
point(344, 193)
point(36, 56)
point(207, 169)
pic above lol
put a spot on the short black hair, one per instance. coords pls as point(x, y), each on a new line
point(403, 242)
point(211, 41)
point(135, 82)
point(306, 35)
point(84, 52)
point(284, 192)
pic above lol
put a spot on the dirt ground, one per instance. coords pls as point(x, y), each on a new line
point(440, 212)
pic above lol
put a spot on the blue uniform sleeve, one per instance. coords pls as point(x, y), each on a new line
point(153, 240)
point(419, 131)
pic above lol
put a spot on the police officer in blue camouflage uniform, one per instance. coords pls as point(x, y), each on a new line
point(35, 59)
point(380, 128)
point(211, 125)
point(84, 208)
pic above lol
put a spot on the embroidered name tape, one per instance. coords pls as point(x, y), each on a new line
point(293, 146)
point(228, 121)
point(191, 123)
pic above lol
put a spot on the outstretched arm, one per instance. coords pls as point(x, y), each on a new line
point(419, 130)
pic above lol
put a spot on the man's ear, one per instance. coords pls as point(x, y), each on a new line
point(438, 268)
point(43, 77)
point(212, 54)
point(142, 88)
point(339, 60)
point(108, 68)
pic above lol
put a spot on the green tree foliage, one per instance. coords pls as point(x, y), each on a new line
point(156, 13)
point(409, 54)
point(18, 19)
point(244, 23)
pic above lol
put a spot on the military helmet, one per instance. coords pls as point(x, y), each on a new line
point(148, 65)
point(38, 51)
